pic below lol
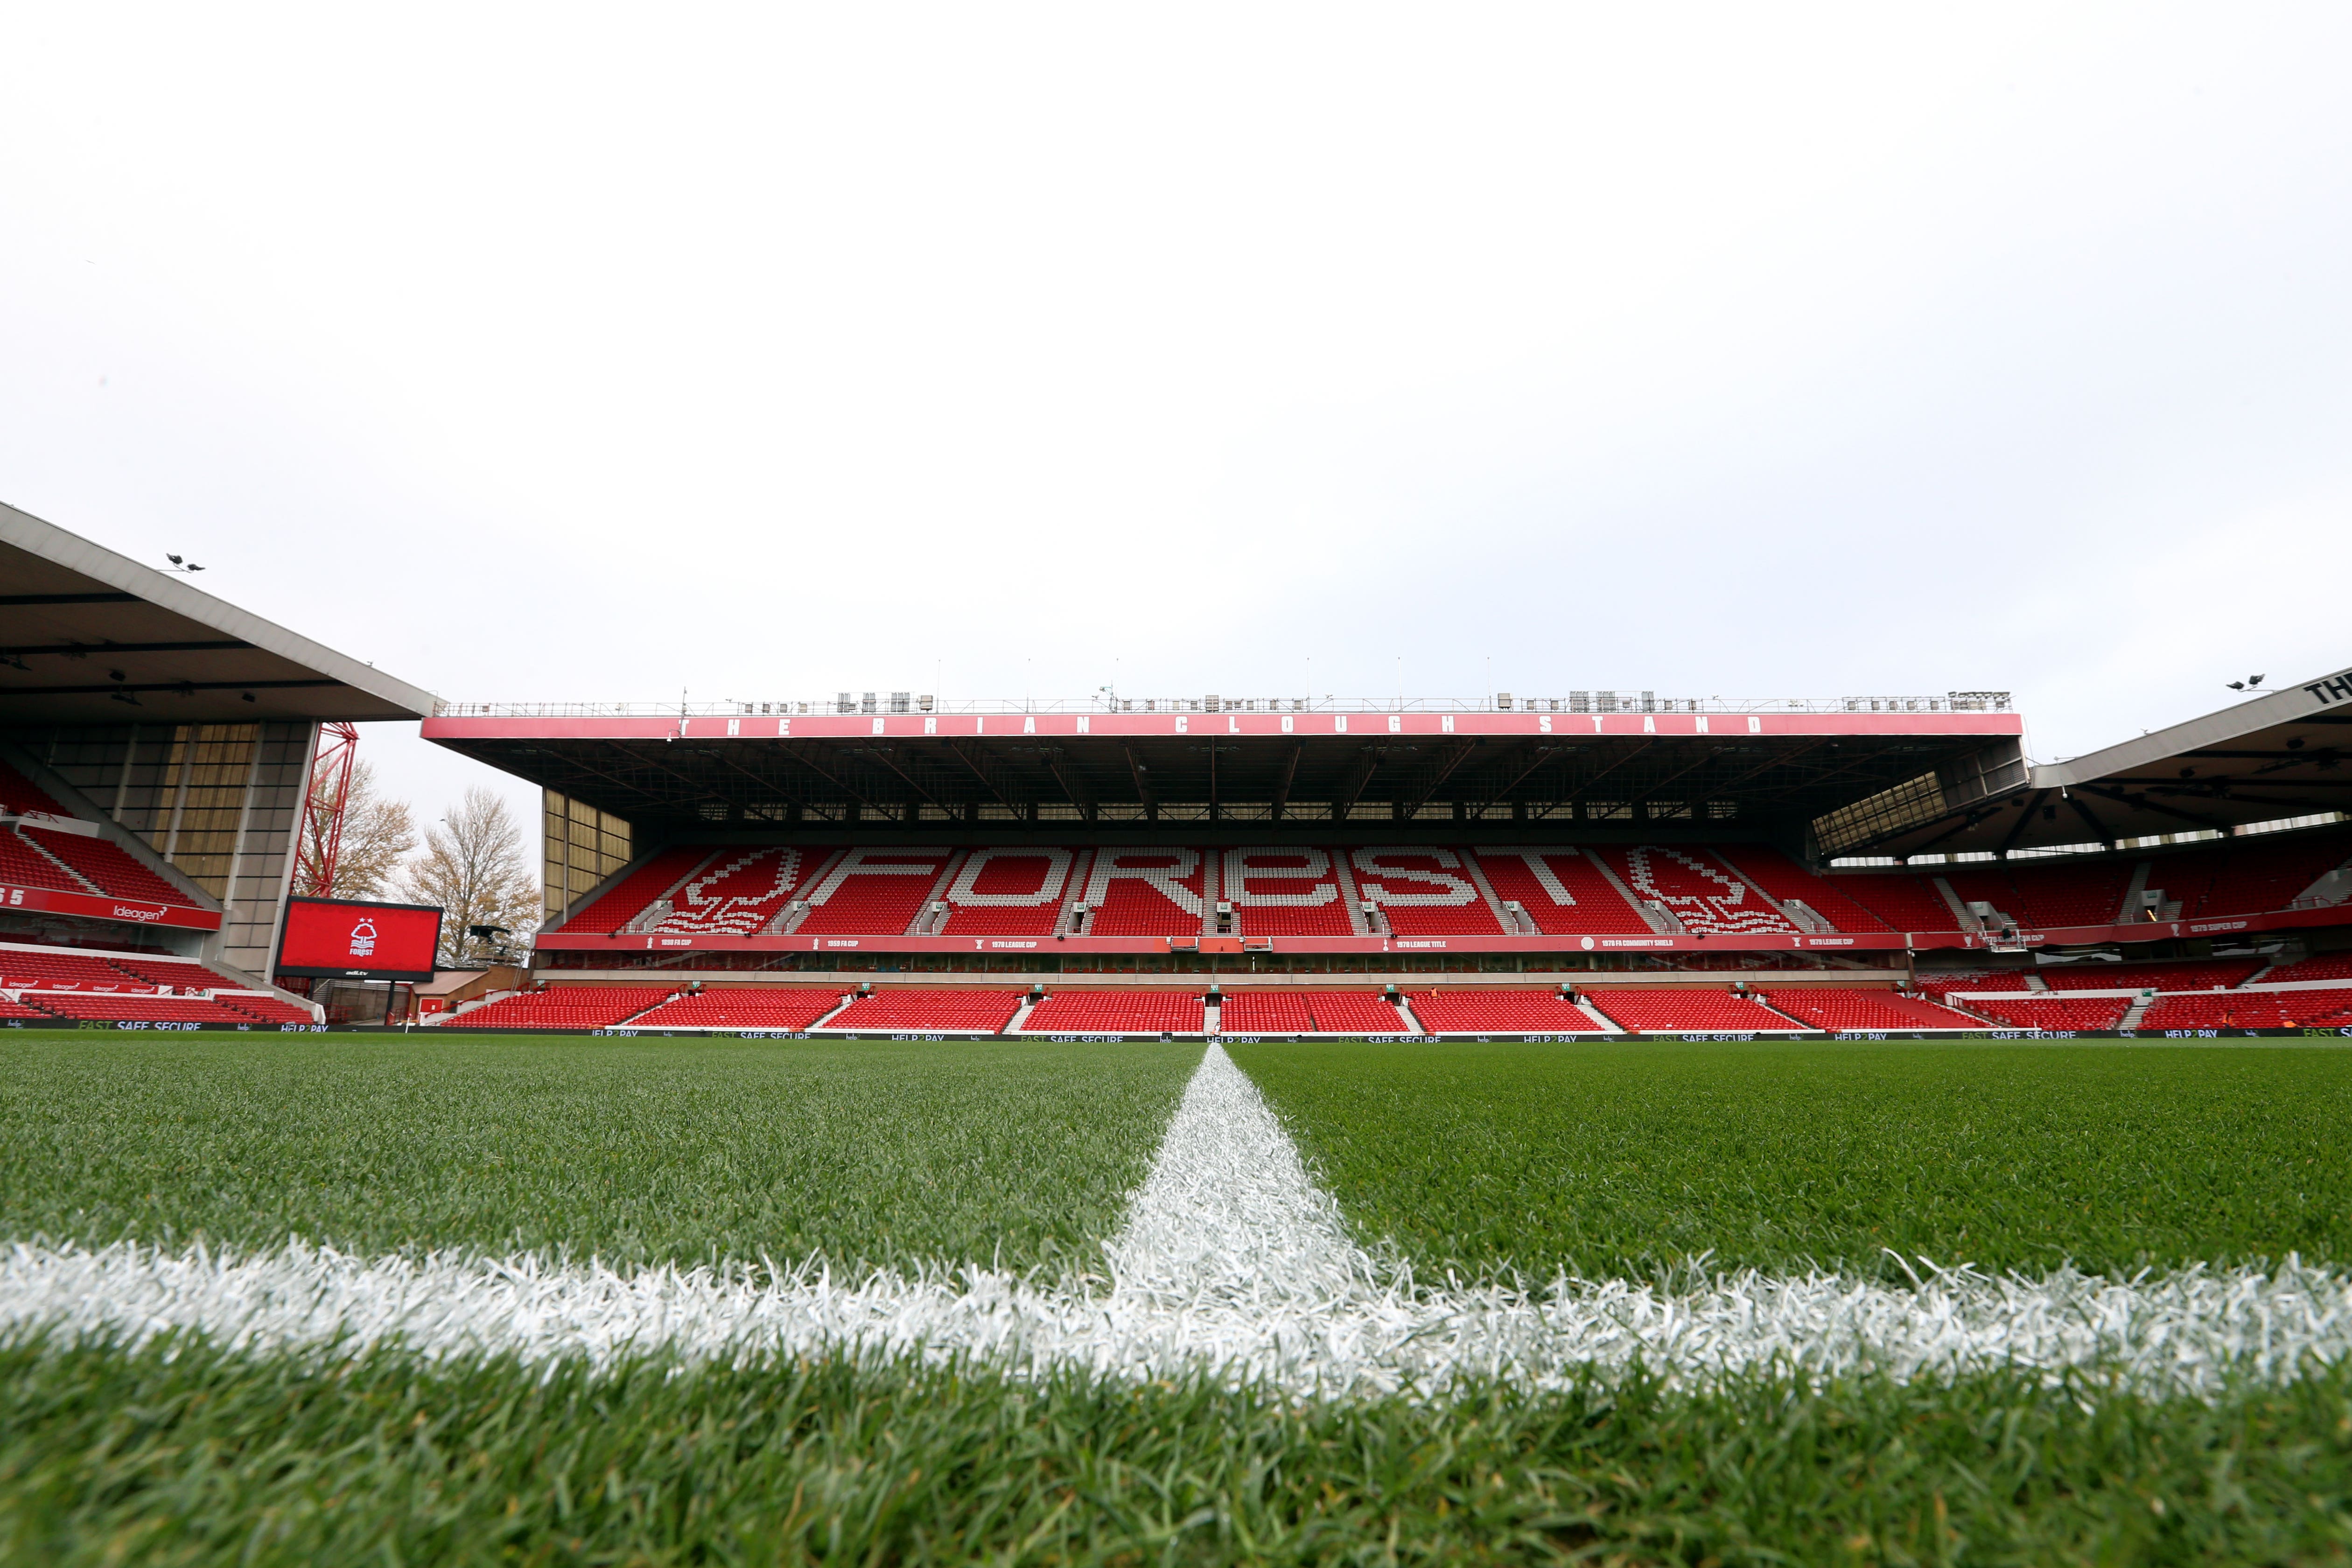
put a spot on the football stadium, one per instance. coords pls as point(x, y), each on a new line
point(1555, 1124)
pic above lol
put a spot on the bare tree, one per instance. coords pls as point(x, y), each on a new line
point(378, 835)
point(475, 868)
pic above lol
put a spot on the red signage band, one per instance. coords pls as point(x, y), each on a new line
point(129, 911)
point(356, 940)
point(1145, 726)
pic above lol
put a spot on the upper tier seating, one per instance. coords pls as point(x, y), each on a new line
point(1686, 1009)
point(1905, 902)
point(2050, 894)
point(19, 794)
point(148, 1009)
point(1009, 893)
point(1703, 894)
point(2097, 1014)
point(1353, 1012)
point(1266, 1013)
point(22, 865)
point(2323, 967)
point(1478, 1011)
point(1560, 889)
point(109, 865)
point(2248, 876)
point(1278, 891)
point(562, 1007)
point(1423, 890)
point(787, 1008)
point(1785, 879)
point(737, 892)
point(873, 892)
point(2244, 1009)
point(1863, 1007)
point(1145, 892)
point(627, 899)
point(2202, 974)
point(1117, 1013)
point(919, 1008)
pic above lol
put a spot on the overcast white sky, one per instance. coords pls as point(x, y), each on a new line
point(567, 353)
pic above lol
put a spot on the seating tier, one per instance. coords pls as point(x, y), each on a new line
point(1562, 890)
point(1863, 1007)
point(1009, 893)
point(787, 1008)
point(930, 1009)
point(1117, 1013)
point(562, 1007)
point(1905, 902)
point(1785, 879)
point(2094, 1014)
point(109, 865)
point(2203, 975)
point(1669, 1009)
point(1500, 1010)
point(627, 899)
point(1145, 892)
point(1422, 890)
point(1283, 892)
point(1697, 889)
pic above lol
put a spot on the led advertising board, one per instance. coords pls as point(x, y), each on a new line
point(344, 939)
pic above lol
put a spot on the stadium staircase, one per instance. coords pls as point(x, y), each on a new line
point(1082, 865)
point(1351, 894)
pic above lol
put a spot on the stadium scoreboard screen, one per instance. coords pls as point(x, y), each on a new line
point(344, 939)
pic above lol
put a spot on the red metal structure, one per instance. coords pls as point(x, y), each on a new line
point(322, 842)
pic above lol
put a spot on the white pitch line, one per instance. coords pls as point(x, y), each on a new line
point(1230, 1258)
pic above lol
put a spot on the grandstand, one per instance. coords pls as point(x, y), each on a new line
point(156, 745)
point(1597, 864)
point(1591, 863)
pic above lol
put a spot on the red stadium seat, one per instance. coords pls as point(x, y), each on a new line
point(1704, 894)
point(1279, 891)
point(1863, 1007)
point(1117, 1013)
point(572, 1007)
point(2095, 1015)
point(1906, 902)
point(872, 891)
point(1422, 890)
point(627, 899)
point(923, 1009)
point(1785, 879)
point(786, 1008)
point(1500, 1010)
point(1688, 1009)
point(2323, 967)
point(1009, 891)
point(1145, 892)
point(1560, 889)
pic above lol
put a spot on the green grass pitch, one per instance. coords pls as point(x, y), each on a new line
point(1618, 1158)
point(630, 1151)
point(1615, 1159)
